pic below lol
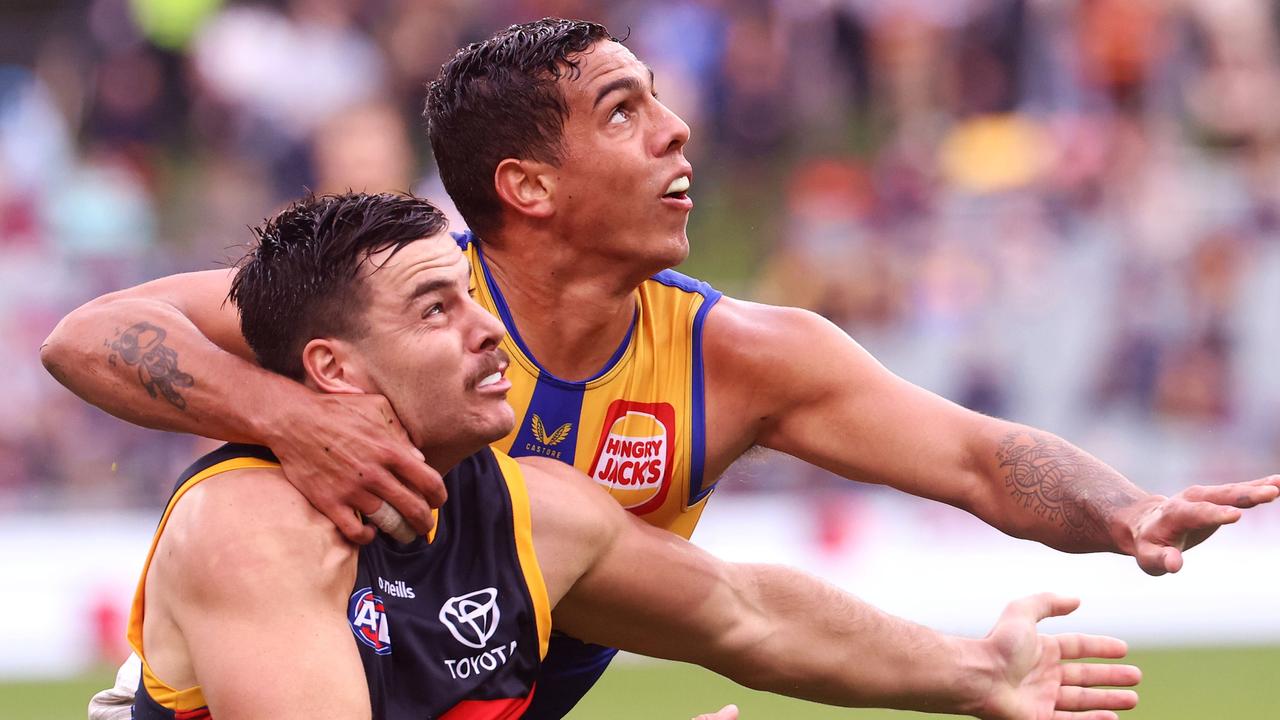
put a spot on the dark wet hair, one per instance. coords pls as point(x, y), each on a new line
point(300, 279)
point(498, 99)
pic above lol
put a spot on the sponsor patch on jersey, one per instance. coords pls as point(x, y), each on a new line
point(368, 619)
point(634, 456)
point(472, 618)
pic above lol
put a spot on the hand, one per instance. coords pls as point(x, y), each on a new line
point(728, 712)
point(1035, 685)
point(347, 454)
point(1187, 519)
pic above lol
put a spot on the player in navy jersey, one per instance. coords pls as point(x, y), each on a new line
point(252, 604)
point(551, 140)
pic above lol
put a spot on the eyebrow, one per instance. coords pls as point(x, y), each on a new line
point(623, 83)
point(427, 287)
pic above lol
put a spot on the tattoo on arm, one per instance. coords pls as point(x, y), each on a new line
point(142, 345)
point(1062, 484)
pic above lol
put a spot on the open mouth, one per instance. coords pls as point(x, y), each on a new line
point(678, 189)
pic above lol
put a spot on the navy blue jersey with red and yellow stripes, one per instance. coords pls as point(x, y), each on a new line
point(453, 625)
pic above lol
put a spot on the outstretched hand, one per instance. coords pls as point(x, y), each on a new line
point(1038, 685)
point(348, 454)
point(1187, 519)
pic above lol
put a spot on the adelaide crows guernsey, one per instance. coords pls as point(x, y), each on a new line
point(637, 426)
point(453, 625)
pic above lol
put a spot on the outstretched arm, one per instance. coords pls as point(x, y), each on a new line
point(623, 583)
point(833, 405)
point(168, 354)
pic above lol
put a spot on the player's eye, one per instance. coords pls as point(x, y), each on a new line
point(618, 116)
point(434, 309)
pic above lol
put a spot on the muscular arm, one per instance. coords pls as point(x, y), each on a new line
point(834, 405)
point(256, 617)
point(168, 354)
point(617, 581)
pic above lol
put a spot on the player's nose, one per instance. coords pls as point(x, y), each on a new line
point(673, 131)
point(488, 330)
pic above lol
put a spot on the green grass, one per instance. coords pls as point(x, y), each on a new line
point(63, 700)
point(1186, 684)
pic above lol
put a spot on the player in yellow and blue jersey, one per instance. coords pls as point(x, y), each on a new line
point(551, 141)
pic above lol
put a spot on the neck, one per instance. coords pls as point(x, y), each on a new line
point(442, 460)
point(588, 300)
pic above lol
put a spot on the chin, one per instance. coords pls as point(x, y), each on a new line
point(675, 250)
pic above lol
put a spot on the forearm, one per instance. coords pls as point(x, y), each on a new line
point(145, 362)
point(1035, 485)
point(825, 645)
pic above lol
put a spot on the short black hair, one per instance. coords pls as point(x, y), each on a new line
point(498, 99)
point(300, 279)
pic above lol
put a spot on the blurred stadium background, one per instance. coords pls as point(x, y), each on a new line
point(1066, 212)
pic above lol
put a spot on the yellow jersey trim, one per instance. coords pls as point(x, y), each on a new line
point(166, 696)
point(523, 526)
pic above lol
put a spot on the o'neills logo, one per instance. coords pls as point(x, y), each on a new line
point(633, 457)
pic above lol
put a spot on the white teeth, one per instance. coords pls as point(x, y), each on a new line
point(679, 185)
point(490, 380)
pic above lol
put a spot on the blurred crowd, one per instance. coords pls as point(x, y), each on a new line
point(1065, 212)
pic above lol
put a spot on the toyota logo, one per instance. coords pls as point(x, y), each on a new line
point(472, 618)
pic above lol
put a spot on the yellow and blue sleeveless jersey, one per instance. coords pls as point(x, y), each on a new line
point(451, 626)
point(637, 427)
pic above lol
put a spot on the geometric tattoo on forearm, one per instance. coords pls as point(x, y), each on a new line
point(142, 345)
point(1062, 484)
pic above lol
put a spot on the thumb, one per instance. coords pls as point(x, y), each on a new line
point(728, 712)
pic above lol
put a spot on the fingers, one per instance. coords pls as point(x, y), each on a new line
point(1075, 646)
point(1158, 559)
point(411, 508)
point(348, 523)
point(1090, 715)
point(728, 712)
point(1188, 516)
point(1095, 674)
point(386, 519)
point(420, 477)
point(1084, 699)
point(1240, 495)
point(1043, 605)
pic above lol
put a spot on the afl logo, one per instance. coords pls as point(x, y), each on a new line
point(633, 458)
point(472, 618)
point(369, 620)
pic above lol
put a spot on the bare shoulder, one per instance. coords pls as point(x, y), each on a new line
point(762, 360)
point(245, 527)
point(753, 337)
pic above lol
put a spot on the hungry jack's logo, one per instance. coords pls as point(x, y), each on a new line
point(633, 458)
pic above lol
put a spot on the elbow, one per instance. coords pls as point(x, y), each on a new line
point(55, 352)
point(63, 350)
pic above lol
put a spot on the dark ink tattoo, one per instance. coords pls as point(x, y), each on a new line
point(143, 345)
point(1062, 484)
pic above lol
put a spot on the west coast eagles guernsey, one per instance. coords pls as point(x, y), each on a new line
point(451, 626)
point(637, 427)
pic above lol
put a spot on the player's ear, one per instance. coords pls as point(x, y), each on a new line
point(526, 186)
point(331, 367)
